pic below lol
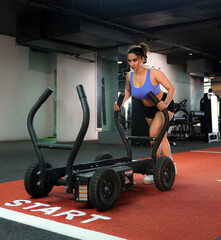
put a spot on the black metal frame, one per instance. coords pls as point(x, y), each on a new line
point(156, 139)
point(55, 175)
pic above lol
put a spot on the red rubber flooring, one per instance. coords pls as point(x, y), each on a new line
point(190, 210)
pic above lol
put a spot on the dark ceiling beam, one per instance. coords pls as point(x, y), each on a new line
point(186, 26)
point(148, 36)
point(118, 9)
point(89, 17)
point(174, 45)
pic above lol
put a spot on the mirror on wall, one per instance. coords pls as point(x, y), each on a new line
point(111, 80)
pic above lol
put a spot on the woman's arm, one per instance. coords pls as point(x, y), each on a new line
point(159, 77)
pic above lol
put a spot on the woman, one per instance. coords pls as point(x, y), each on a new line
point(142, 80)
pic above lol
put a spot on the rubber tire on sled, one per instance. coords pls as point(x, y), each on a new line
point(103, 156)
point(104, 189)
point(31, 179)
point(164, 173)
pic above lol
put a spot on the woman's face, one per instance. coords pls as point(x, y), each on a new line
point(134, 61)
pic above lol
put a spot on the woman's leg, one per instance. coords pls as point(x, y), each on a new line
point(156, 125)
point(165, 146)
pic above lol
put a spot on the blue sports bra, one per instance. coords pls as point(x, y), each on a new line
point(141, 92)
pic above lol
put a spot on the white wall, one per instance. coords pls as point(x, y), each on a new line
point(175, 73)
point(24, 75)
point(216, 86)
point(196, 92)
point(20, 86)
point(70, 73)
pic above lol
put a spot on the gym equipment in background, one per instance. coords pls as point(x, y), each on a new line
point(197, 125)
point(210, 106)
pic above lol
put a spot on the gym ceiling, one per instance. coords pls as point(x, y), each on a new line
point(180, 29)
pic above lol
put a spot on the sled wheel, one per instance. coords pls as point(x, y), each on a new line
point(104, 189)
point(103, 156)
point(164, 173)
point(31, 180)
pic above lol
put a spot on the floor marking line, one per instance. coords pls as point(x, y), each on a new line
point(204, 151)
point(53, 226)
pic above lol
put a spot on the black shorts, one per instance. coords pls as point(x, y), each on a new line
point(150, 112)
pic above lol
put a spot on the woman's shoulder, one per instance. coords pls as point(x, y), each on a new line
point(155, 71)
point(129, 75)
point(146, 70)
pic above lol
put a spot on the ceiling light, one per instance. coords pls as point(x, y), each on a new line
point(190, 53)
point(119, 62)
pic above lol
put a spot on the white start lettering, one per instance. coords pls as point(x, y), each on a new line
point(47, 211)
point(70, 214)
point(55, 211)
point(17, 203)
point(35, 205)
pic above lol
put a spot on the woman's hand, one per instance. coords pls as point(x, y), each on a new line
point(162, 105)
point(116, 107)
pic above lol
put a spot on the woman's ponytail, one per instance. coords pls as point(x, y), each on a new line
point(145, 49)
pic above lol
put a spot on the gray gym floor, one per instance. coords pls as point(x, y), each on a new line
point(16, 156)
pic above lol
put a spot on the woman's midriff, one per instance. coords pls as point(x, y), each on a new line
point(149, 103)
